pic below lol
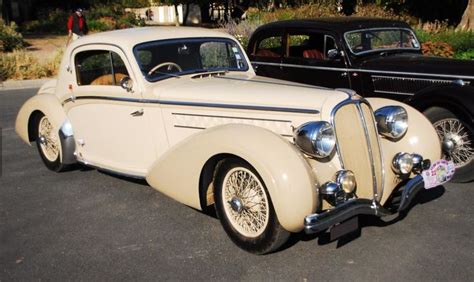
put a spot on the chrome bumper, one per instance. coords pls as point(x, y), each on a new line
point(315, 223)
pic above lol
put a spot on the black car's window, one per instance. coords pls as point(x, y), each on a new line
point(269, 47)
point(310, 45)
point(170, 58)
point(376, 40)
point(99, 67)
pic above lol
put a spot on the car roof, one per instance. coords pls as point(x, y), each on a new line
point(338, 24)
point(130, 37)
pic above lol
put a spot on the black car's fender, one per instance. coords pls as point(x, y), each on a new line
point(455, 98)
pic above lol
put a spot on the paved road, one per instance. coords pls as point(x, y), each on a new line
point(87, 225)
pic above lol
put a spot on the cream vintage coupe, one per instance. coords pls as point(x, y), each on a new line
point(183, 108)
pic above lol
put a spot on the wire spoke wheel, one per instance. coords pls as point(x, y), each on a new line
point(245, 202)
point(48, 140)
point(456, 141)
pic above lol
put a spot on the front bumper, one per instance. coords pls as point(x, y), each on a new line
point(315, 223)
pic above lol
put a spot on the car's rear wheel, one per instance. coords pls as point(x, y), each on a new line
point(245, 209)
point(456, 140)
point(48, 143)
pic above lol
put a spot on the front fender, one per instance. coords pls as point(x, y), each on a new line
point(48, 104)
point(420, 138)
point(283, 168)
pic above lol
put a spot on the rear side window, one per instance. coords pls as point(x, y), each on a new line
point(99, 67)
point(269, 47)
point(310, 45)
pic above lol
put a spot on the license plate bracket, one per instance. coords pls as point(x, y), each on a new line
point(349, 226)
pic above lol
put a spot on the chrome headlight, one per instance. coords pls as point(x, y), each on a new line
point(316, 139)
point(392, 121)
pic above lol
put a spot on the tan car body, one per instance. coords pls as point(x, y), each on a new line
point(189, 123)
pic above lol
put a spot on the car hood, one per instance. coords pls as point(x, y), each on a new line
point(416, 63)
point(246, 90)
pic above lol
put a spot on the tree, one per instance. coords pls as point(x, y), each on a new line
point(467, 22)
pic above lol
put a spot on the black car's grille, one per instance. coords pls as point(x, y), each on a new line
point(404, 85)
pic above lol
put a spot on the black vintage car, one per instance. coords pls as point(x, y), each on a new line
point(375, 57)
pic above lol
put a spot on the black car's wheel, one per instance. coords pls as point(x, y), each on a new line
point(245, 209)
point(47, 141)
point(456, 137)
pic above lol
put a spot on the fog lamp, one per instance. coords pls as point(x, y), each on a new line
point(346, 179)
point(402, 163)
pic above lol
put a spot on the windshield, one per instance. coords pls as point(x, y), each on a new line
point(171, 58)
point(370, 40)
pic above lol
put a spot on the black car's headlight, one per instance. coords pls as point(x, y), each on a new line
point(316, 138)
point(392, 121)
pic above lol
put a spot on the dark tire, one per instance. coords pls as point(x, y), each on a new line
point(48, 143)
point(248, 217)
point(456, 137)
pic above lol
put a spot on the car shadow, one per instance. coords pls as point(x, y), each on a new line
point(324, 238)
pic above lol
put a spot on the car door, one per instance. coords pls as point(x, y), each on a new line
point(109, 122)
point(313, 57)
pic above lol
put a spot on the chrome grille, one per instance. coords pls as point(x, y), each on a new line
point(358, 147)
point(404, 85)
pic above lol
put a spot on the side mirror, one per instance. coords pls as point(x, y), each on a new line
point(333, 54)
point(127, 83)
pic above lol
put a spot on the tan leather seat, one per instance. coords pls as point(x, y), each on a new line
point(313, 54)
point(107, 79)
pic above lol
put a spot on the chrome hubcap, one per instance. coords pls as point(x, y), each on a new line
point(456, 141)
point(236, 204)
point(245, 202)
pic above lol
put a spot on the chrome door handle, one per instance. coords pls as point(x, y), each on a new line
point(138, 113)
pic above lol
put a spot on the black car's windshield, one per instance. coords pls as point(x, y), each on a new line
point(171, 58)
point(376, 40)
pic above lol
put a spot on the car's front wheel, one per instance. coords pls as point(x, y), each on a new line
point(245, 209)
point(48, 143)
point(456, 140)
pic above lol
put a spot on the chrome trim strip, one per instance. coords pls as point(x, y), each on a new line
point(379, 145)
point(369, 150)
point(454, 77)
point(199, 104)
point(286, 83)
point(190, 127)
point(394, 93)
point(413, 78)
point(203, 128)
point(88, 164)
point(236, 117)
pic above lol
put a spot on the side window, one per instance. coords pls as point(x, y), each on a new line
point(99, 67)
point(306, 45)
point(269, 47)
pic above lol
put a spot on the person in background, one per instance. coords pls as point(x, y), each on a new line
point(77, 25)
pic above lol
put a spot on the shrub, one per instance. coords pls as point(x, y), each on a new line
point(21, 65)
point(439, 49)
point(10, 38)
point(242, 31)
point(468, 55)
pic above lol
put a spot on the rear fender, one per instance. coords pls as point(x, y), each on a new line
point(284, 170)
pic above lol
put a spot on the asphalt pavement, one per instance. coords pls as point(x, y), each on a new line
point(89, 225)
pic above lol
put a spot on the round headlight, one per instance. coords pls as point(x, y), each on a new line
point(347, 180)
point(392, 121)
point(402, 163)
point(316, 138)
